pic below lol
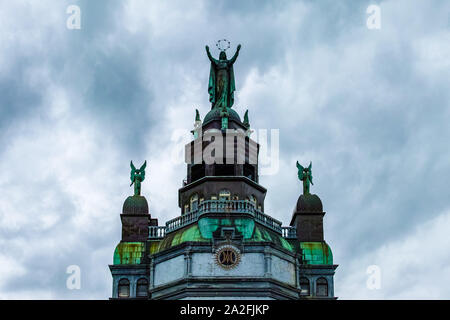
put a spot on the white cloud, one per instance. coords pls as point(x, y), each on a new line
point(369, 108)
point(412, 267)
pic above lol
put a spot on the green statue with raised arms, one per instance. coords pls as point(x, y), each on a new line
point(221, 85)
point(137, 176)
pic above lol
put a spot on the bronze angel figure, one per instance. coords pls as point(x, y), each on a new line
point(305, 175)
point(137, 176)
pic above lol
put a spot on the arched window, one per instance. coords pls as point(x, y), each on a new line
point(305, 286)
point(124, 288)
point(142, 288)
point(224, 195)
point(194, 202)
point(322, 287)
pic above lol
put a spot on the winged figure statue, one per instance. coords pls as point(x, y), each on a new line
point(305, 175)
point(137, 176)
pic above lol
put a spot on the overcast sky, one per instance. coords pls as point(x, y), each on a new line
point(369, 108)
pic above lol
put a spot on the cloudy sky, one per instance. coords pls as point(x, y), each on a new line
point(369, 107)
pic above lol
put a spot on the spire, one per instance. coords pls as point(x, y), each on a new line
point(246, 123)
point(197, 124)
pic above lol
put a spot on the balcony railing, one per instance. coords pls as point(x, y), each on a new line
point(289, 232)
point(268, 221)
point(181, 221)
point(226, 206)
point(156, 232)
point(221, 206)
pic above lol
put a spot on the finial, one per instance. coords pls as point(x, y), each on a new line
point(197, 124)
point(137, 176)
point(246, 123)
point(197, 115)
point(305, 175)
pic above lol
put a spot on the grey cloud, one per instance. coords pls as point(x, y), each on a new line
point(358, 103)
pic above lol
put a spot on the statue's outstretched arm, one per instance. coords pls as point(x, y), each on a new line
point(210, 56)
point(233, 59)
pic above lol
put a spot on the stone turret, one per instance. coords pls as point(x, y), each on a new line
point(136, 219)
point(135, 216)
point(308, 218)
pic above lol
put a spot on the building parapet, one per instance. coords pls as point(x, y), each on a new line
point(221, 206)
point(289, 232)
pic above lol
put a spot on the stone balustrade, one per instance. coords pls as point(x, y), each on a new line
point(221, 206)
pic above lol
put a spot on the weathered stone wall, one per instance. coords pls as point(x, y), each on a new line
point(251, 265)
point(169, 270)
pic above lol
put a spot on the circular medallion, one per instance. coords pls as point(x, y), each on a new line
point(228, 256)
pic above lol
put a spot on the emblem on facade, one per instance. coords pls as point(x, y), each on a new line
point(228, 256)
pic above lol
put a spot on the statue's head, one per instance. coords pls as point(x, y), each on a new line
point(222, 55)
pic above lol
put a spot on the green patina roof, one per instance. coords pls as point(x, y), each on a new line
point(153, 246)
point(129, 252)
point(243, 225)
point(214, 114)
point(203, 231)
point(262, 234)
point(189, 233)
point(316, 253)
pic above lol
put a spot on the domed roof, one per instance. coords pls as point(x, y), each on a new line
point(214, 114)
point(309, 203)
point(316, 253)
point(135, 205)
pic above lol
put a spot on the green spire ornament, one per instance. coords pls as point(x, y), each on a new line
point(305, 175)
point(197, 124)
point(246, 123)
